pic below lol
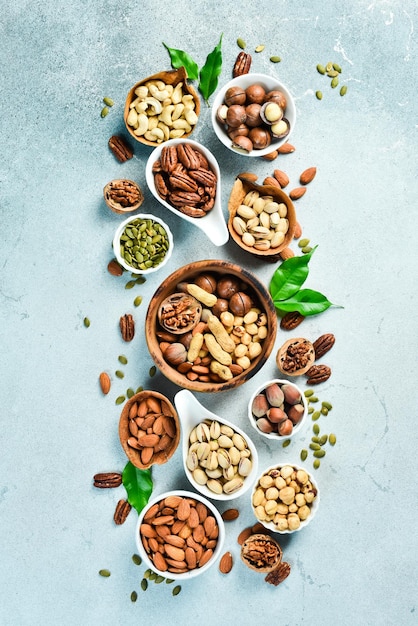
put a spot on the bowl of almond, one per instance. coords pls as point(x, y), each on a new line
point(179, 534)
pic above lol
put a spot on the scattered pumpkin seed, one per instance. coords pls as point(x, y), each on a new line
point(320, 68)
point(104, 112)
point(147, 573)
point(140, 280)
point(310, 409)
point(159, 579)
point(313, 399)
point(303, 454)
point(138, 301)
point(316, 415)
point(153, 371)
point(308, 393)
point(334, 82)
point(144, 584)
point(122, 359)
point(319, 454)
point(332, 439)
point(108, 101)
point(136, 559)
point(343, 90)
point(120, 399)
point(169, 581)
point(303, 242)
point(314, 446)
point(134, 596)
point(318, 95)
point(104, 572)
point(139, 390)
point(259, 48)
point(275, 59)
point(316, 463)
point(323, 440)
point(316, 429)
point(315, 439)
point(328, 66)
point(119, 374)
point(285, 443)
point(176, 590)
point(241, 43)
point(337, 68)
point(130, 284)
point(130, 392)
point(327, 405)
point(324, 410)
point(152, 576)
point(306, 249)
point(332, 73)
point(86, 322)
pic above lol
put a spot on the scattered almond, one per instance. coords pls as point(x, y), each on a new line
point(307, 176)
point(248, 176)
point(244, 534)
point(230, 514)
point(114, 268)
point(287, 253)
point(225, 564)
point(281, 177)
point(269, 180)
point(286, 148)
point(271, 155)
point(104, 380)
point(297, 193)
point(298, 231)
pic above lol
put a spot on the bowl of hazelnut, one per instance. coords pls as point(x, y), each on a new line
point(253, 114)
point(285, 498)
point(277, 409)
point(210, 326)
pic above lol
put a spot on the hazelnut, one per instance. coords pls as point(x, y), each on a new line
point(285, 428)
point(291, 394)
point(240, 303)
point(253, 114)
point(295, 413)
point(175, 353)
point(227, 286)
point(276, 96)
point(206, 282)
point(235, 95)
point(260, 405)
point(276, 415)
point(274, 395)
point(265, 425)
point(242, 143)
point(260, 137)
point(255, 93)
point(235, 116)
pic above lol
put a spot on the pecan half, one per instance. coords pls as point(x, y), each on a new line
point(160, 185)
point(168, 158)
point(180, 198)
point(318, 374)
point(279, 574)
point(242, 64)
point(123, 508)
point(188, 156)
point(323, 344)
point(120, 148)
point(107, 480)
point(204, 177)
point(127, 327)
point(180, 180)
point(291, 320)
point(192, 211)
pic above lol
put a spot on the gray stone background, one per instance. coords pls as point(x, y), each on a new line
point(356, 562)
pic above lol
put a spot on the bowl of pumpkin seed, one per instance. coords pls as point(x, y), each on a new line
point(143, 243)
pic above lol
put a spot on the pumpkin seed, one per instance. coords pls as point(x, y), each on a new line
point(104, 112)
point(306, 249)
point(318, 95)
point(159, 579)
point(285, 443)
point(104, 572)
point(108, 101)
point(315, 439)
point(152, 576)
point(147, 573)
point(316, 429)
point(316, 463)
point(320, 68)
point(324, 410)
point(169, 580)
point(319, 454)
point(120, 399)
point(328, 66)
point(275, 59)
point(134, 596)
point(259, 48)
point(334, 82)
point(241, 43)
point(86, 322)
point(310, 410)
point(136, 559)
point(303, 454)
point(332, 439)
point(152, 371)
point(337, 68)
point(130, 284)
point(303, 242)
point(139, 390)
point(308, 393)
point(119, 374)
point(343, 90)
point(130, 392)
point(313, 399)
point(144, 584)
point(138, 301)
point(176, 590)
point(314, 446)
point(327, 405)
point(139, 279)
point(316, 415)
point(122, 359)
point(323, 440)
point(332, 73)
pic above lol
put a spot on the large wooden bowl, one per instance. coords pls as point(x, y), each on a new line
point(186, 274)
point(239, 190)
point(169, 77)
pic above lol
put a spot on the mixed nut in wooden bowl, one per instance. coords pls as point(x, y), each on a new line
point(179, 534)
point(149, 429)
point(210, 326)
point(161, 107)
point(262, 218)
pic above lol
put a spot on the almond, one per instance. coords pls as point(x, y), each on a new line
point(287, 253)
point(271, 181)
point(307, 176)
point(281, 177)
point(244, 534)
point(183, 510)
point(271, 155)
point(114, 268)
point(286, 148)
point(230, 514)
point(297, 231)
point(104, 380)
point(297, 193)
point(225, 564)
point(248, 176)
point(148, 441)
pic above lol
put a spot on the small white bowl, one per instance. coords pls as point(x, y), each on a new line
point(119, 232)
point(313, 508)
point(269, 83)
point(194, 572)
point(275, 435)
point(191, 413)
point(213, 223)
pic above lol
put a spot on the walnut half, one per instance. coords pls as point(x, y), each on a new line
point(261, 553)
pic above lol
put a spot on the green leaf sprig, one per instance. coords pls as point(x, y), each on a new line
point(285, 288)
point(138, 484)
point(208, 74)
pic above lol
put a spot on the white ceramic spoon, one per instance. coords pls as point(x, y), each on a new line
point(191, 413)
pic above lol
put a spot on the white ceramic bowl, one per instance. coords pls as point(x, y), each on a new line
point(269, 83)
point(270, 525)
point(194, 572)
point(213, 223)
point(275, 435)
point(119, 232)
point(191, 413)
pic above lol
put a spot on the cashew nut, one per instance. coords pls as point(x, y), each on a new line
point(155, 106)
point(142, 127)
point(177, 94)
point(165, 116)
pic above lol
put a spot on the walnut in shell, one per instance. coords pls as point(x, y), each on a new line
point(261, 553)
point(295, 356)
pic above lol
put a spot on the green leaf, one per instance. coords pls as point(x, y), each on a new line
point(306, 301)
point(209, 73)
point(138, 484)
point(290, 276)
point(179, 58)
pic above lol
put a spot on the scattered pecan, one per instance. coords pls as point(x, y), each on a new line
point(107, 480)
point(242, 64)
point(120, 148)
point(127, 327)
point(323, 344)
point(123, 508)
point(291, 320)
point(279, 574)
point(318, 374)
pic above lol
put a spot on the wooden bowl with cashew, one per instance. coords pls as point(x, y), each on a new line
point(161, 107)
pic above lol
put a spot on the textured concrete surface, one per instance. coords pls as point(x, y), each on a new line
point(356, 562)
